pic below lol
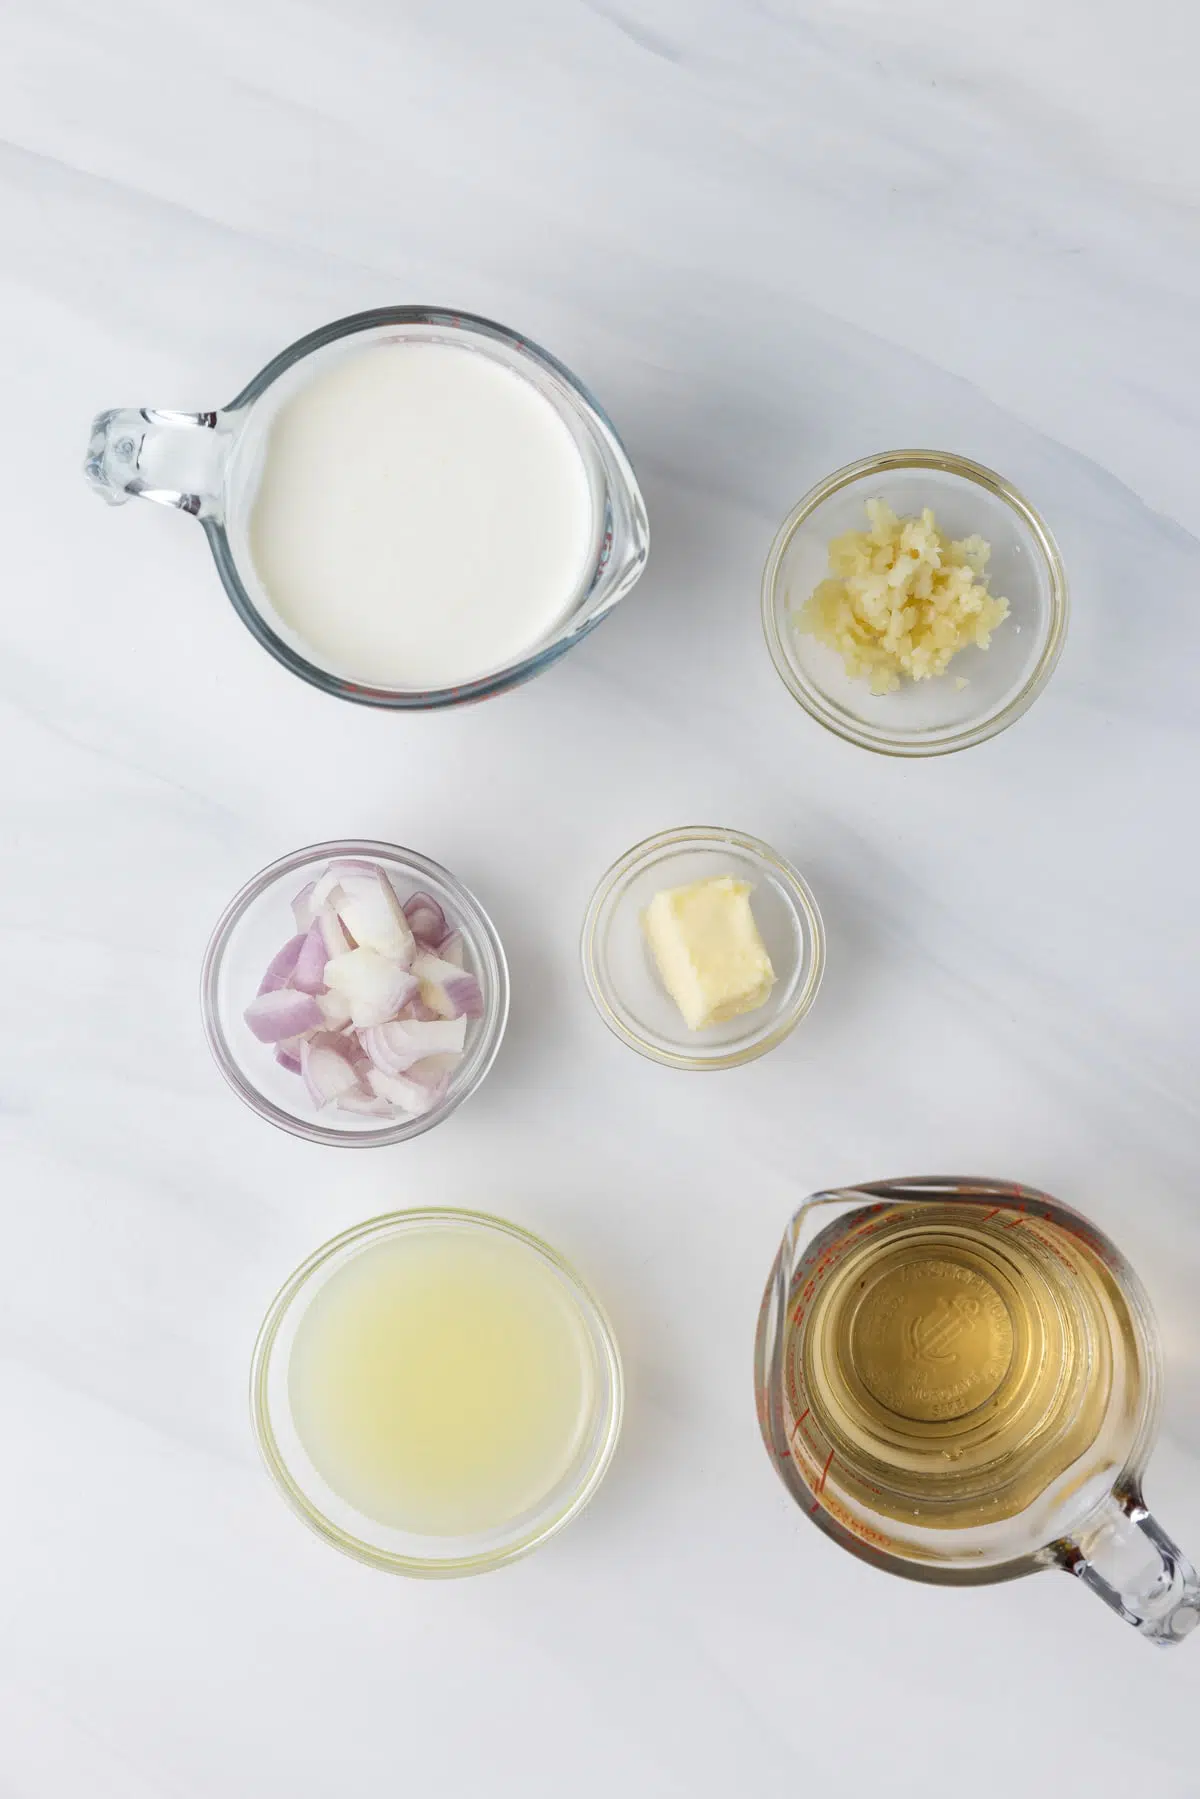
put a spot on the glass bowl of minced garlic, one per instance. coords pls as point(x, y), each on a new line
point(914, 603)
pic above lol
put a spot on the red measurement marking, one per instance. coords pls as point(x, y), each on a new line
point(1013, 1223)
point(824, 1472)
point(800, 1420)
point(991, 1214)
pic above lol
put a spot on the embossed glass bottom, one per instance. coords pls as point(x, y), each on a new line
point(956, 1367)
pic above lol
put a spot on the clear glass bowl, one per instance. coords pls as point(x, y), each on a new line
point(619, 968)
point(925, 718)
point(341, 1524)
point(258, 921)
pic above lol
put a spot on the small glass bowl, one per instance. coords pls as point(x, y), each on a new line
point(383, 1546)
point(619, 968)
point(924, 718)
point(258, 921)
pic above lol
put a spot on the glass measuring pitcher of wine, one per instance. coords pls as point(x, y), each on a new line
point(409, 508)
point(959, 1381)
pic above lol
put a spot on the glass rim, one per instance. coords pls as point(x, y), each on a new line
point(799, 893)
point(365, 693)
point(810, 698)
point(479, 927)
point(387, 1224)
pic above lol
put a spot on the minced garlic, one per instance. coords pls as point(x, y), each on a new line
point(902, 599)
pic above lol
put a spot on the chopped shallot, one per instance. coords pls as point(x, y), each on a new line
point(282, 1013)
point(330, 925)
point(395, 1047)
point(327, 1073)
point(373, 986)
point(426, 919)
point(433, 1071)
point(449, 990)
point(335, 1010)
point(281, 967)
point(411, 1096)
point(450, 949)
point(416, 1008)
point(365, 1104)
point(369, 1000)
point(309, 972)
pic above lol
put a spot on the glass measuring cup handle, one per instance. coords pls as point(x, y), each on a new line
point(1130, 1562)
point(174, 458)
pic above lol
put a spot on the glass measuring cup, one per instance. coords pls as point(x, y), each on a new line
point(959, 1381)
point(209, 464)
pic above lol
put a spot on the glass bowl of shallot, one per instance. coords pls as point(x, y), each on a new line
point(354, 993)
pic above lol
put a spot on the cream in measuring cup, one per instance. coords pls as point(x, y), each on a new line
point(407, 508)
point(423, 515)
point(959, 1381)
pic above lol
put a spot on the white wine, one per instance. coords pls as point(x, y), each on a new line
point(944, 1367)
point(958, 1381)
point(443, 1382)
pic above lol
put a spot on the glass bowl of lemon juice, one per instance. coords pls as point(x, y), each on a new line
point(436, 1392)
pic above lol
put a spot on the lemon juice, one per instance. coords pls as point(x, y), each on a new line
point(443, 1382)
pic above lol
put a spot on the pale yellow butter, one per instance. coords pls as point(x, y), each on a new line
point(711, 958)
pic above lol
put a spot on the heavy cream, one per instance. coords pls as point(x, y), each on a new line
point(423, 516)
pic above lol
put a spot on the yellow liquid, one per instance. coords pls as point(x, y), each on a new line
point(443, 1382)
point(944, 1369)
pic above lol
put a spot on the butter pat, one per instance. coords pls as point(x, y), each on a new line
point(711, 958)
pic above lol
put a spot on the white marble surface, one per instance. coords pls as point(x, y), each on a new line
point(772, 237)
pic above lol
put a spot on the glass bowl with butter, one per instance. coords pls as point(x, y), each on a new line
point(977, 517)
point(702, 948)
